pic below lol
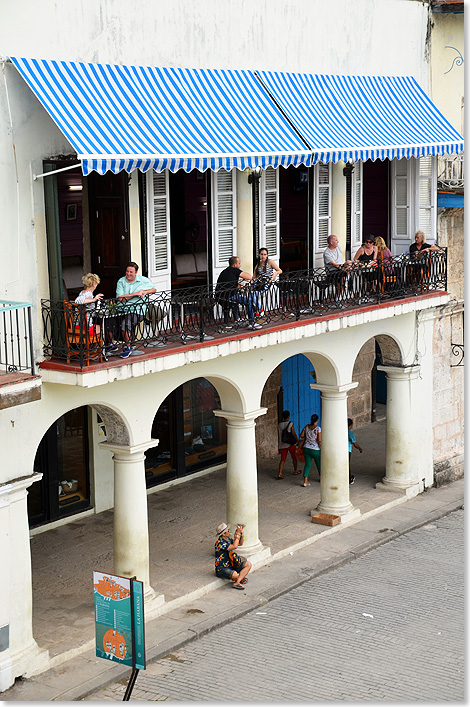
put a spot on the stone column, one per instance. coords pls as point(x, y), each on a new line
point(242, 477)
point(334, 483)
point(19, 652)
point(402, 447)
point(131, 533)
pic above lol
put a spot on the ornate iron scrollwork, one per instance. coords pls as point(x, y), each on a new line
point(457, 350)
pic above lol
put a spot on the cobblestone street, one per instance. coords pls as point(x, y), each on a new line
point(388, 626)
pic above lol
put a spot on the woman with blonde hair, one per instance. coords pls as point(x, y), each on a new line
point(383, 253)
point(91, 282)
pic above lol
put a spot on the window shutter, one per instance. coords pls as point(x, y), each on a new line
point(269, 216)
point(159, 229)
point(356, 208)
point(427, 197)
point(322, 208)
point(224, 218)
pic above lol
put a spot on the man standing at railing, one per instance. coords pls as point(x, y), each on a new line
point(226, 289)
point(131, 289)
point(333, 260)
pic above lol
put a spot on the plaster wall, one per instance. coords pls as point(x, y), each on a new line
point(447, 66)
point(269, 34)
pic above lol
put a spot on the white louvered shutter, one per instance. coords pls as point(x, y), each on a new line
point(427, 194)
point(269, 213)
point(159, 255)
point(224, 220)
point(322, 199)
point(401, 221)
point(356, 208)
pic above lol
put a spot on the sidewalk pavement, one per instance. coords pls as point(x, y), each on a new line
point(203, 611)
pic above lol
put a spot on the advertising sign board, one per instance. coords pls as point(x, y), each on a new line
point(119, 619)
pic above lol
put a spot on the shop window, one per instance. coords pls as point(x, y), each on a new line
point(62, 458)
point(205, 435)
point(190, 436)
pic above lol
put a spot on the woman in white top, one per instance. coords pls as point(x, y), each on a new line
point(267, 268)
point(311, 434)
point(91, 282)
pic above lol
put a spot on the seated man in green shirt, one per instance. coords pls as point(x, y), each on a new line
point(131, 289)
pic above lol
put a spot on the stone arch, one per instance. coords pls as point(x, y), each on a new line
point(362, 400)
point(390, 349)
point(232, 396)
point(117, 427)
point(326, 369)
point(266, 427)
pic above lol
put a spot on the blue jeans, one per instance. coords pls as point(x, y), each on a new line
point(248, 301)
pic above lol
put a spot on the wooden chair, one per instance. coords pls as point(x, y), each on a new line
point(83, 341)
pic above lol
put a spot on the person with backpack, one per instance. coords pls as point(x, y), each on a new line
point(287, 442)
point(310, 443)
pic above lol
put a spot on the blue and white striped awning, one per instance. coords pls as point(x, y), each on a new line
point(134, 117)
point(362, 117)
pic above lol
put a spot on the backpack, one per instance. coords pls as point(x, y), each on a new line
point(286, 436)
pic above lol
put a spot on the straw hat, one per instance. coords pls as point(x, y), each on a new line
point(222, 528)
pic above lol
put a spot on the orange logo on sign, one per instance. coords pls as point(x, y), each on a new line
point(114, 643)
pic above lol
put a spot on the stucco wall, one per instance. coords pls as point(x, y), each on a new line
point(447, 66)
point(450, 228)
point(295, 35)
point(360, 398)
point(266, 426)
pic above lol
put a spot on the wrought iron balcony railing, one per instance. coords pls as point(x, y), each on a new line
point(82, 336)
point(16, 352)
point(451, 172)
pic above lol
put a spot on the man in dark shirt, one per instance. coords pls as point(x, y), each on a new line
point(226, 290)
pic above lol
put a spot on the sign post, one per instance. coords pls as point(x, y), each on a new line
point(119, 622)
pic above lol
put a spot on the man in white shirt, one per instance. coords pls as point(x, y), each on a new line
point(333, 259)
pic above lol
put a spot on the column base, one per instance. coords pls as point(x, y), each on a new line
point(406, 488)
point(28, 662)
point(334, 510)
point(152, 601)
point(255, 553)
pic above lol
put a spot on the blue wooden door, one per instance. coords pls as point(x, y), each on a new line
point(298, 397)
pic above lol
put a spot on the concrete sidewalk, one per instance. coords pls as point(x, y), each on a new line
point(85, 674)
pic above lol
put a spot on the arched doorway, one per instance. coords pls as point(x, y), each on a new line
point(191, 438)
point(63, 459)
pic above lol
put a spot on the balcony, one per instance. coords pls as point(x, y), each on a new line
point(79, 340)
point(451, 173)
point(18, 382)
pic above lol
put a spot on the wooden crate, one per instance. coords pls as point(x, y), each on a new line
point(326, 519)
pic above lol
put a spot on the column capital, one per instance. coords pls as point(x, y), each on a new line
point(240, 417)
point(126, 450)
point(334, 390)
point(401, 372)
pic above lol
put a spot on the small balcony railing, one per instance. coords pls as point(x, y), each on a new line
point(451, 172)
point(16, 352)
point(81, 336)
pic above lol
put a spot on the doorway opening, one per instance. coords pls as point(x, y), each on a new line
point(293, 207)
point(63, 459)
point(191, 437)
point(189, 228)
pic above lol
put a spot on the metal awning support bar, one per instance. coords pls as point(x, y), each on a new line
point(56, 171)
